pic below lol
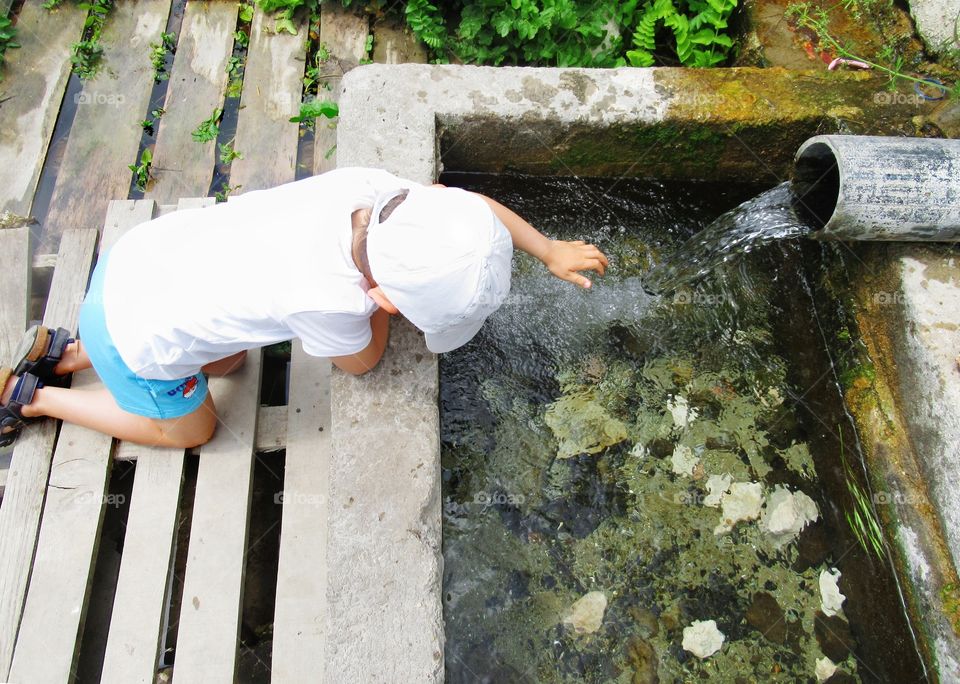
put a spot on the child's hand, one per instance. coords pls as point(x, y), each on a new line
point(565, 259)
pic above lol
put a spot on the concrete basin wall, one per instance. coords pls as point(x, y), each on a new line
point(417, 120)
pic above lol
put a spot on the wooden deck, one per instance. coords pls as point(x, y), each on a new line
point(56, 494)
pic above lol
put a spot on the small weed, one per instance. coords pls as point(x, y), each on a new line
point(158, 112)
point(368, 50)
point(863, 519)
point(158, 55)
point(208, 130)
point(312, 109)
point(8, 36)
point(228, 154)
point(225, 192)
point(86, 55)
point(241, 38)
point(141, 171)
point(148, 126)
point(235, 76)
point(246, 13)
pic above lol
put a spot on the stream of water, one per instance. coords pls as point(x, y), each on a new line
point(616, 464)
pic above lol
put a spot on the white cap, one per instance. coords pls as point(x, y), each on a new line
point(443, 259)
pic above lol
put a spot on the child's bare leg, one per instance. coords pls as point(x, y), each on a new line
point(74, 359)
point(97, 410)
point(226, 365)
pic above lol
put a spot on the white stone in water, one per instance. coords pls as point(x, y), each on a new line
point(681, 412)
point(831, 600)
point(741, 503)
point(824, 669)
point(683, 460)
point(586, 614)
point(702, 638)
point(787, 513)
point(717, 486)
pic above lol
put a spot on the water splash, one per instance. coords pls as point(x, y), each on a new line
point(767, 218)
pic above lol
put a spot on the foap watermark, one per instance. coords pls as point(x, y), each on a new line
point(883, 298)
point(297, 499)
point(96, 98)
point(695, 99)
point(101, 499)
point(488, 499)
point(698, 298)
point(884, 498)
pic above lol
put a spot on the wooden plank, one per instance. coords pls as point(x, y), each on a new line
point(56, 606)
point(345, 35)
point(140, 600)
point(106, 133)
point(198, 83)
point(298, 626)
point(393, 44)
point(14, 288)
point(26, 485)
point(213, 583)
point(34, 80)
point(273, 83)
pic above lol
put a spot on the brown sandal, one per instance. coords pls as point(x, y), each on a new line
point(11, 413)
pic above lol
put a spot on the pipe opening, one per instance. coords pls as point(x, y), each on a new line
point(816, 185)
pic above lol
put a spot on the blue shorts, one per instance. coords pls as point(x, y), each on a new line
point(151, 398)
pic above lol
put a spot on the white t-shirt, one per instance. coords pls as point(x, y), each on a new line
point(197, 285)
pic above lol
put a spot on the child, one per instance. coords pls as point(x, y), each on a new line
point(327, 259)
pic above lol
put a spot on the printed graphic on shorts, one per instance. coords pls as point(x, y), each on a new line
point(185, 388)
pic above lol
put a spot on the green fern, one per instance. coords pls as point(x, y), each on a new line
point(696, 26)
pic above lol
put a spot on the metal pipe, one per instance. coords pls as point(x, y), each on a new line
point(857, 187)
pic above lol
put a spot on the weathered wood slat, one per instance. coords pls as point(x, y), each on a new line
point(299, 622)
point(106, 132)
point(34, 78)
point(271, 95)
point(140, 601)
point(198, 83)
point(345, 35)
point(23, 499)
point(14, 288)
point(213, 584)
point(56, 605)
point(395, 45)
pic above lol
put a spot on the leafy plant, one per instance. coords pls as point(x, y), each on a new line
point(697, 36)
point(86, 55)
point(209, 129)
point(312, 109)
point(158, 55)
point(147, 126)
point(141, 171)
point(225, 192)
point(8, 35)
point(234, 76)
point(817, 20)
point(228, 154)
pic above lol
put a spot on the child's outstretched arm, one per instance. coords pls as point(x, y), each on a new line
point(564, 259)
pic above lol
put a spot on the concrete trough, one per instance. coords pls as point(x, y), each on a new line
point(386, 621)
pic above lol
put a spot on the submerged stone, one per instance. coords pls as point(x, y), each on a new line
point(643, 659)
point(582, 425)
point(831, 600)
point(681, 412)
point(683, 460)
point(586, 614)
point(766, 616)
point(824, 669)
point(833, 636)
point(787, 513)
point(741, 503)
point(702, 638)
point(717, 486)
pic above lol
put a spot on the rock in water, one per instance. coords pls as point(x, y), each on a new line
point(766, 616)
point(787, 513)
point(831, 600)
point(683, 460)
point(586, 614)
point(824, 669)
point(717, 486)
point(582, 425)
point(742, 502)
point(702, 638)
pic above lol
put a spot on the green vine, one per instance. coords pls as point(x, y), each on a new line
point(8, 39)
